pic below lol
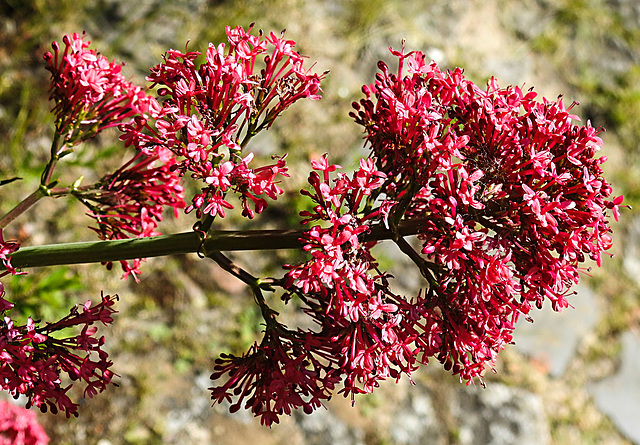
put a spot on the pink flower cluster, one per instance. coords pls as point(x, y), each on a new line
point(363, 324)
point(507, 198)
point(130, 201)
point(505, 193)
point(281, 374)
point(89, 91)
point(235, 93)
point(19, 426)
point(32, 358)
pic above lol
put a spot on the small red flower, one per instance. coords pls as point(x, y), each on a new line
point(7, 248)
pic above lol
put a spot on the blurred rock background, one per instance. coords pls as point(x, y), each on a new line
point(571, 378)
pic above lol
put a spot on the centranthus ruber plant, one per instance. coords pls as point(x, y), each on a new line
point(497, 198)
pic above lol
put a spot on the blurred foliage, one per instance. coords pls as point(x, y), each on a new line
point(25, 34)
point(595, 47)
point(44, 295)
point(249, 325)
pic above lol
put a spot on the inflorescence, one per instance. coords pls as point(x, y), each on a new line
point(506, 194)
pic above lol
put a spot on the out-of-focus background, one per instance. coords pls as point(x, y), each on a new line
point(570, 378)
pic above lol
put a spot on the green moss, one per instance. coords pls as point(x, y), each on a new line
point(577, 41)
point(369, 404)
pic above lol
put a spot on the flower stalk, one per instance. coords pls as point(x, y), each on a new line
point(178, 244)
point(22, 207)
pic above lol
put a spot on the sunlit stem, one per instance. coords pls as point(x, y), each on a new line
point(45, 189)
point(257, 285)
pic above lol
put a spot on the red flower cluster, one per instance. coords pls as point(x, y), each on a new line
point(509, 191)
point(364, 325)
point(130, 201)
point(231, 96)
point(507, 198)
point(32, 358)
point(19, 426)
point(90, 93)
point(292, 369)
point(281, 374)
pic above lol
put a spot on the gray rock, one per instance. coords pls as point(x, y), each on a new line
point(500, 415)
point(323, 428)
point(527, 18)
point(628, 12)
point(619, 395)
point(186, 420)
point(632, 251)
point(553, 337)
point(415, 422)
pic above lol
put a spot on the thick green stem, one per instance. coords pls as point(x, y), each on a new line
point(181, 243)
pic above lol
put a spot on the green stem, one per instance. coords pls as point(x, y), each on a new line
point(423, 265)
point(55, 156)
point(33, 198)
point(181, 243)
point(22, 207)
point(45, 189)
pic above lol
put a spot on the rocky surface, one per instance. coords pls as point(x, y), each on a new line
point(619, 395)
point(500, 415)
point(415, 420)
point(322, 427)
point(552, 338)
